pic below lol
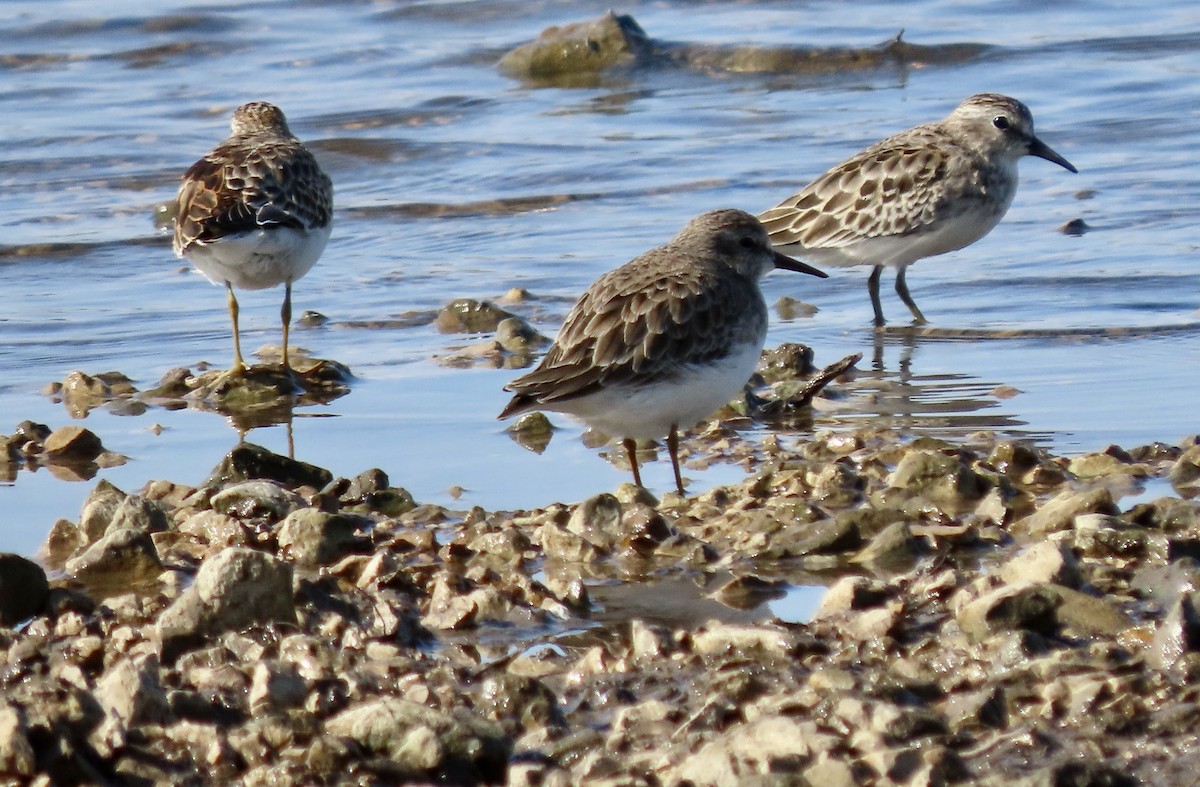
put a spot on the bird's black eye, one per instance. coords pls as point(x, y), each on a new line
point(1000, 122)
point(747, 243)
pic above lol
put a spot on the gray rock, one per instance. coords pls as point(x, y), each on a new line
point(137, 513)
point(578, 49)
point(517, 336)
point(1012, 607)
point(261, 500)
point(424, 741)
point(939, 478)
point(1179, 632)
point(1043, 608)
point(829, 772)
point(1185, 473)
point(467, 315)
point(238, 587)
point(1163, 584)
point(759, 750)
point(829, 536)
point(16, 754)
point(249, 462)
point(1106, 536)
point(125, 555)
point(1060, 511)
point(836, 484)
point(850, 594)
point(276, 686)
point(519, 703)
point(598, 520)
point(729, 638)
point(1045, 561)
point(310, 537)
point(213, 528)
point(1086, 615)
point(130, 691)
point(561, 544)
point(23, 589)
point(532, 431)
point(893, 547)
point(61, 542)
point(98, 511)
point(72, 444)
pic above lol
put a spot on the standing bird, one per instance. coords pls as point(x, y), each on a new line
point(664, 340)
point(255, 212)
point(923, 192)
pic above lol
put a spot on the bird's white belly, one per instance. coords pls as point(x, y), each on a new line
point(260, 259)
point(947, 235)
point(649, 411)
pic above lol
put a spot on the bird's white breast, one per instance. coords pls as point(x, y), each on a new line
point(649, 411)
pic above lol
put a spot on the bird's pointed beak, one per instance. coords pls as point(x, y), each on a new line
point(788, 264)
point(1042, 150)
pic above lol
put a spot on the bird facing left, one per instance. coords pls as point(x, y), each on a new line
point(255, 212)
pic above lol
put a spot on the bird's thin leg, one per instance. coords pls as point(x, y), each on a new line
point(285, 314)
point(902, 291)
point(673, 450)
point(239, 365)
point(873, 288)
point(631, 452)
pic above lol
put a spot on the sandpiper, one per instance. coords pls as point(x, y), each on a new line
point(664, 340)
point(255, 212)
point(926, 191)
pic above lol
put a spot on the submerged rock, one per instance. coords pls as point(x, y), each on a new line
point(467, 315)
point(261, 395)
point(579, 48)
point(532, 431)
point(578, 53)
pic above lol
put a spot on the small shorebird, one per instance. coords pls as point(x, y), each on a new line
point(255, 212)
point(923, 192)
point(664, 340)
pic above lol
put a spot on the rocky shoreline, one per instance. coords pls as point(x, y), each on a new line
point(992, 614)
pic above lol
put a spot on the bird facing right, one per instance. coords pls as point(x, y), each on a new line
point(664, 340)
point(923, 192)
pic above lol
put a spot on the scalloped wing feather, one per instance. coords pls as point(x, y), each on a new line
point(238, 188)
point(640, 324)
point(895, 187)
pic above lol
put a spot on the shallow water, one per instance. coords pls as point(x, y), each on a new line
point(454, 180)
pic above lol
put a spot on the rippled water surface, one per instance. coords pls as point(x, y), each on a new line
point(454, 180)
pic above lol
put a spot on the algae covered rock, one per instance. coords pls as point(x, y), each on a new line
point(578, 49)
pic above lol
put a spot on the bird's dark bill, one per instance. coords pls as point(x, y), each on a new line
point(788, 264)
point(1042, 150)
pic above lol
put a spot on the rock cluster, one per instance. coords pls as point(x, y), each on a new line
point(992, 614)
point(262, 395)
point(72, 453)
